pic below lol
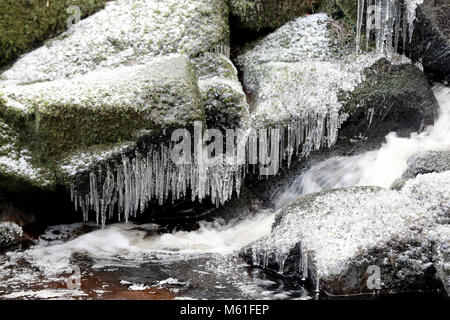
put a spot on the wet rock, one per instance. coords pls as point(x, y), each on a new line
point(332, 237)
point(269, 14)
point(441, 254)
point(10, 234)
point(430, 44)
point(422, 163)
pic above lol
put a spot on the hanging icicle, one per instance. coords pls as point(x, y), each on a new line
point(385, 22)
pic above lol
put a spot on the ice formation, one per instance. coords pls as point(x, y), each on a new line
point(296, 74)
point(387, 21)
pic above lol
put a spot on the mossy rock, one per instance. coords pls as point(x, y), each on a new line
point(391, 98)
point(127, 32)
point(96, 112)
point(330, 238)
point(26, 23)
point(257, 15)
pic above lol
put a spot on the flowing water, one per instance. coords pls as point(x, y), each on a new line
point(136, 261)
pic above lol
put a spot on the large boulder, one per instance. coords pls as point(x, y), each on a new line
point(331, 238)
point(257, 15)
point(430, 43)
point(127, 32)
point(56, 119)
point(24, 24)
point(306, 76)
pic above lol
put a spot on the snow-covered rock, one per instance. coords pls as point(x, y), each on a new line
point(53, 130)
point(305, 76)
point(127, 32)
point(332, 237)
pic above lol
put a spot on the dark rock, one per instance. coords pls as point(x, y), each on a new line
point(269, 14)
point(430, 44)
point(9, 213)
point(392, 98)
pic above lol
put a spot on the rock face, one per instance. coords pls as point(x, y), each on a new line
point(10, 234)
point(24, 24)
point(269, 14)
point(305, 76)
point(332, 237)
point(430, 44)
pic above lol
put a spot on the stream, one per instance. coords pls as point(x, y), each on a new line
point(135, 261)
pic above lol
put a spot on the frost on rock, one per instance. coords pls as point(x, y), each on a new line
point(9, 233)
point(127, 31)
point(15, 162)
point(107, 106)
point(295, 75)
point(339, 230)
point(222, 94)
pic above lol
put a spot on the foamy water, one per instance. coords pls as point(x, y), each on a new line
point(380, 167)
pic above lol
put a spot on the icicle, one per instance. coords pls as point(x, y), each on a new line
point(389, 15)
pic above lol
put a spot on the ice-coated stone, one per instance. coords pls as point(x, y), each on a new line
point(91, 115)
point(305, 77)
point(127, 32)
point(332, 237)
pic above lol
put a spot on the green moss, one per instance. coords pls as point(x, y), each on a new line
point(52, 126)
point(26, 23)
point(270, 14)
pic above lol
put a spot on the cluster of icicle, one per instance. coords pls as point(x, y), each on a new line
point(262, 258)
point(387, 21)
point(129, 186)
